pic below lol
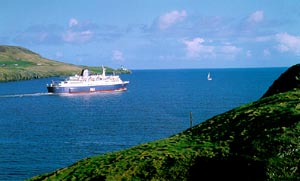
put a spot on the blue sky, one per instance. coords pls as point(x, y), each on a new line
point(156, 34)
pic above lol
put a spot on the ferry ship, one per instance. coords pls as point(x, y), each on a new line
point(86, 83)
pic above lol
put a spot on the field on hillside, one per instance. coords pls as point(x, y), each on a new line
point(17, 63)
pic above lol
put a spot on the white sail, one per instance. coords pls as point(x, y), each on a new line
point(208, 76)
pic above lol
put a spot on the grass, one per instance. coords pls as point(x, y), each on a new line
point(17, 63)
point(257, 141)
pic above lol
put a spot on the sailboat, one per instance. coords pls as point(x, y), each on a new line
point(208, 76)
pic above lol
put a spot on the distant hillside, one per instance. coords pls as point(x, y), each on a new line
point(17, 63)
point(257, 141)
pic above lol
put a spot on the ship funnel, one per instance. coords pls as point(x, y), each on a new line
point(85, 73)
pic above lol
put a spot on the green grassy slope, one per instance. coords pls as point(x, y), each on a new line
point(257, 141)
point(17, 63)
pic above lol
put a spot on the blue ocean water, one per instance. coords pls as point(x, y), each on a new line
point(40, 133)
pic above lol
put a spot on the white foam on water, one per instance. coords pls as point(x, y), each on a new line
point(25, 95)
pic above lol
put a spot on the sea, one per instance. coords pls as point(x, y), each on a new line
point(41, 132)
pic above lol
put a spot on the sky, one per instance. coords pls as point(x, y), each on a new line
point(156, 34)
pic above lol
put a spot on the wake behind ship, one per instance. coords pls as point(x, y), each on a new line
point(86, 83)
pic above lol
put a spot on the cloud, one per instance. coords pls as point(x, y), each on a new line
point(73, 32)
point(109, 33)
point(229, 49)
point(195, 48)
point(171, 18)
point(117, 55)
point(256, 17)
point(199, 48)
point(265, 38)
point(77, 37)
point(251, 26)
point(248, 54)
point(40, 34)
point(59, 54)
point(78, 32)
point(73, 22)
point(288, 43)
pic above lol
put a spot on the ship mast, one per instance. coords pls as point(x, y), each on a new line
point(103, 71)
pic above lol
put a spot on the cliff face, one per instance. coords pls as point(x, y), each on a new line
point(289, 80)
point(257, 141)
